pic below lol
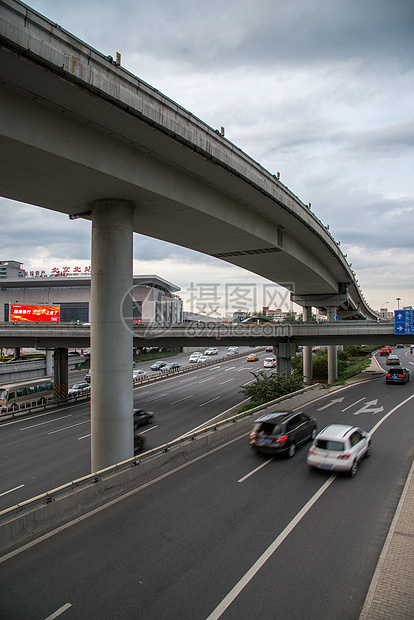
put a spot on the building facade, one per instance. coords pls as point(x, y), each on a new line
point(154, 299)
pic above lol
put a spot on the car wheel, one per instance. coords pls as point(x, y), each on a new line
point(353, 469)
point(292, 450)
point(314, 433)
point(368, 452)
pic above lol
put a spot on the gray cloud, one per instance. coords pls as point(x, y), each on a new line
point(320, 91)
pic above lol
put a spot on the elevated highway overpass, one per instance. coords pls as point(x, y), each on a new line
point(155, 335)
point(81, 135)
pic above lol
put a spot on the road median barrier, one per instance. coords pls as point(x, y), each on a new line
point(28, 520)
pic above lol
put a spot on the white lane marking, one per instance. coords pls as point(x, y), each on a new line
point(47, 422)
point(232, 595)
point(228, 381)
point(65, 428)
point(179, 401)
point(59, 611)
point(85, 436)
point(209, 379)
point(148, 429)
point(332, 402)
point(209, 401)
point(11, 490)
point(231, 368)
point(156, 397)
point(353, 404)
point(255, 470)
point(378, 424)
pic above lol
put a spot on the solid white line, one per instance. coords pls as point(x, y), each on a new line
point(378, 424)
point(66, 427)
point(227, 601)
point(26, 428)
point(148, 429)
point(85, 436)
point(11, 490)
point(255, 470)
point(349, 406)
point(179, 401)
point(59, 611)
point(209, 401)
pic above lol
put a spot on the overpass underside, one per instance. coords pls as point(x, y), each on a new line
point(81, 135)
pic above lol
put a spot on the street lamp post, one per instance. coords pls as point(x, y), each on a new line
point(398, 301)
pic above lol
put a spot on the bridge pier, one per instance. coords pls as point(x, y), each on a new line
point(61, 373)
point(111, 333)
point(284, 351)
point(332, 352)
point(307, 350)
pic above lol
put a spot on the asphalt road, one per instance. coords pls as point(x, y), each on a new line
point(232, 535)
point(42, 451)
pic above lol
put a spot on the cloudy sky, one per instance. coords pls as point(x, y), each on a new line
point(321, 91)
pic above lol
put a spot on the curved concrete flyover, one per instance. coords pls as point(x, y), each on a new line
point(76, 127)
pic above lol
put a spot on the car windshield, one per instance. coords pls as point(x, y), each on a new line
point(325, 444)
point(270, 429)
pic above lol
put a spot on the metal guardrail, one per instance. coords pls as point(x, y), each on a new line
point(95, 477)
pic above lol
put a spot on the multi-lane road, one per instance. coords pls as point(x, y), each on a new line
point(43, 451)
point(232, 535)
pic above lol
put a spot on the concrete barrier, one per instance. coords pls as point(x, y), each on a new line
point(56, 509)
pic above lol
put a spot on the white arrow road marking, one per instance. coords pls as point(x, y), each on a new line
point(337, 400)
point(366, 408)
point(358, 401)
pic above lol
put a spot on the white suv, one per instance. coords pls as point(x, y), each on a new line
point(339, 447)
point(211, 351)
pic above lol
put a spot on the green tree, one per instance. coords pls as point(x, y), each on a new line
point(269, 387)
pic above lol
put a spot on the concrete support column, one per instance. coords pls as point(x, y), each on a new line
point(307, 350)
point(49, 362)
point(111, 333)
point(61, 373)
point(332, 352)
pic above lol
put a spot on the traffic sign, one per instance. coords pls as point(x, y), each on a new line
point(403, 322)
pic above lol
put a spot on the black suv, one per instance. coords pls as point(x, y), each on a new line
point(281, 433)
point(397, 375)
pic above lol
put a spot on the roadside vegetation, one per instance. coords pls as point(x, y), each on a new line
point(267, 387)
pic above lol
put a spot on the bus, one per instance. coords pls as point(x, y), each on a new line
point(25, 394)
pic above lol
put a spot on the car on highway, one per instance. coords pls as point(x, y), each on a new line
point(139, 442)
point(138, 374)
point(398, 374)
point(385, 351)
point(232, 350)
point(339, 447)
point(270, 362)
point(269, 349)
point(88, 376)
point(211, 351)
point(393, 359)
point(280, 433)
point(158, 365)
point(203, 358)
point(253, 357)
point(79, 388)
point(170, 366)
point(142, 417)
point(194, 357)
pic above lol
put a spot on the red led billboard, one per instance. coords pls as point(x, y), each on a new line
point(44, 314)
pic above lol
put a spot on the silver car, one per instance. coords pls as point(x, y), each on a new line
point(339, 448)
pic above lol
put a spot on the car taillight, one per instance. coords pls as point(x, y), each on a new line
point(311, 451)
point(280, 439)
point(388, 375)
point(345, 455)
point(401, 376)
point(252, 435)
